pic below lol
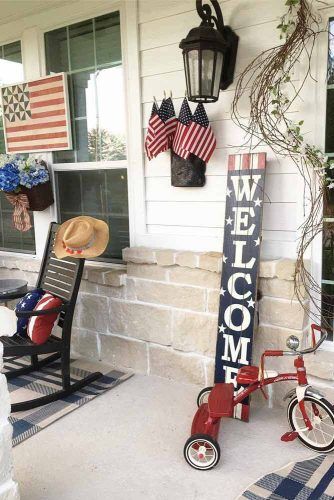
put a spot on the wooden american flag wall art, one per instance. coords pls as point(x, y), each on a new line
point(241, 253)
point(36, 115)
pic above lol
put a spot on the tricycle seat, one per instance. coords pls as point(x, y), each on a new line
point(220, 402)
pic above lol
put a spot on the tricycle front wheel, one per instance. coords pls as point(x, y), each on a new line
point(321, 414)
point(201, 452)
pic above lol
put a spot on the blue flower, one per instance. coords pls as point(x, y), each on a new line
point(18, 171)
point(9, 177)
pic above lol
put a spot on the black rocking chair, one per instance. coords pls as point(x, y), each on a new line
point(61, 278)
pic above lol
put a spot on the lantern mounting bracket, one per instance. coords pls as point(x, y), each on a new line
point(205, 13)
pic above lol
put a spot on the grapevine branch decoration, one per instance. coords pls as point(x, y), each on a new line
point(269, 82)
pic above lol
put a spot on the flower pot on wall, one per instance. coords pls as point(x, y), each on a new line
point(187, 173)
point(40, 197)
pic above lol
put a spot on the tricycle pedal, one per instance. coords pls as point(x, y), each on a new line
point(289, 436)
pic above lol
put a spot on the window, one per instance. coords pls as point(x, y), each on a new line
point(11, 71)
point(90, 52)
point(328, 224)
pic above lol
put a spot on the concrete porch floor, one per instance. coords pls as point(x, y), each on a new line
point(128, 445)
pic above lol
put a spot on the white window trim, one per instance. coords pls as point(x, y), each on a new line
point(320, 61)
point(30, 30)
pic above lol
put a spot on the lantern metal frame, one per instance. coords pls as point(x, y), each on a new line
point(212, 34)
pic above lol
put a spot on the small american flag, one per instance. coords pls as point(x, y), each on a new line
point(167, 113)
point(36, 115)
point(200, 139)
point(185, 117)
point(156, 139)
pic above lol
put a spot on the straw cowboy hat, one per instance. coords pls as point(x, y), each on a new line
point(82, 238)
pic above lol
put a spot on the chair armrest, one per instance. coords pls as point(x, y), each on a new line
point(53, 310)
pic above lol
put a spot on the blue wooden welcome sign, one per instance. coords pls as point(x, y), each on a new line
point(242, 238)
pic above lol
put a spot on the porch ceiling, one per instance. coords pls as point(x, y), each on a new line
point(10, 11)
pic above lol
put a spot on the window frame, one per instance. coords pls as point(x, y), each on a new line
point(34, 65)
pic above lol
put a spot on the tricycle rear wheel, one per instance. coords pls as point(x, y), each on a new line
point(203, 396)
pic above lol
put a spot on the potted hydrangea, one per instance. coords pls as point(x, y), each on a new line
point(26, 184)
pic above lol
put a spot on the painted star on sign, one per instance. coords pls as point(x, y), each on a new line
point(257, 242)
point(228, 192)
point(222, 292)
point(222, 328)
point(229, 221)
point(224, 259)
point(251, 303)
point(257, 202)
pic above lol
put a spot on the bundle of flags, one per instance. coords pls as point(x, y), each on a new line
point(189, 134)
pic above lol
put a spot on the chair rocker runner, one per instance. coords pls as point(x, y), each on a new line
point(61, 278)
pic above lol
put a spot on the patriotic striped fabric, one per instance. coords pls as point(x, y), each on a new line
point(185, 117)
point(40, 327)
point(36, 115)
point(198, 138)
point(167, 113)
point(251, 161)
point(156, 138)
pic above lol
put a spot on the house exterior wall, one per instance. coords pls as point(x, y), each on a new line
point(159, 314)
point(8, 487)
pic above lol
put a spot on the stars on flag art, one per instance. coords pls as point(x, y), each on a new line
point(36, 115)
point(188, 134)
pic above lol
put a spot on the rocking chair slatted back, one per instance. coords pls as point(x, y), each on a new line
point(61, 277)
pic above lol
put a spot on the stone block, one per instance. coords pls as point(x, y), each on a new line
point(213, 301)
point(94, 313)
point(140, 255)
point(183, 297)
point(165, 257)
point(114, 278)
point(147, 271)
point(272, 337)
point(282, 312)
point(174, 365)
point(117, 292)
point(277, 288)
point(196, 277)
point(320, 365)
point(285, 269)
point(211, 261)
point(194, 332)
point(142, 321)
point(85, 343)
point(209, 365)
point(96, 274)
point(187, 259)
point(88, 287)
point(267, 268)
point(31, 265)
point(124, 353)
point(130, 289)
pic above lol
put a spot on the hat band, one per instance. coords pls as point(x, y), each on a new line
point(78, 250)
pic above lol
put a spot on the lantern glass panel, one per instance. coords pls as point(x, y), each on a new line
point(207, 71)
point(193, 72)
point(218, 74)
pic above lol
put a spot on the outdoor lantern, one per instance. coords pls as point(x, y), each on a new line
point(209, 55)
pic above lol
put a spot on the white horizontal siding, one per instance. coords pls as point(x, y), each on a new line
point(194, 217)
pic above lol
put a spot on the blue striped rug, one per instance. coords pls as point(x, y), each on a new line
point(311, 479)
point(48, 380)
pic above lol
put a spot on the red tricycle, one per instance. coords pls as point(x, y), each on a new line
point(310, 415)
